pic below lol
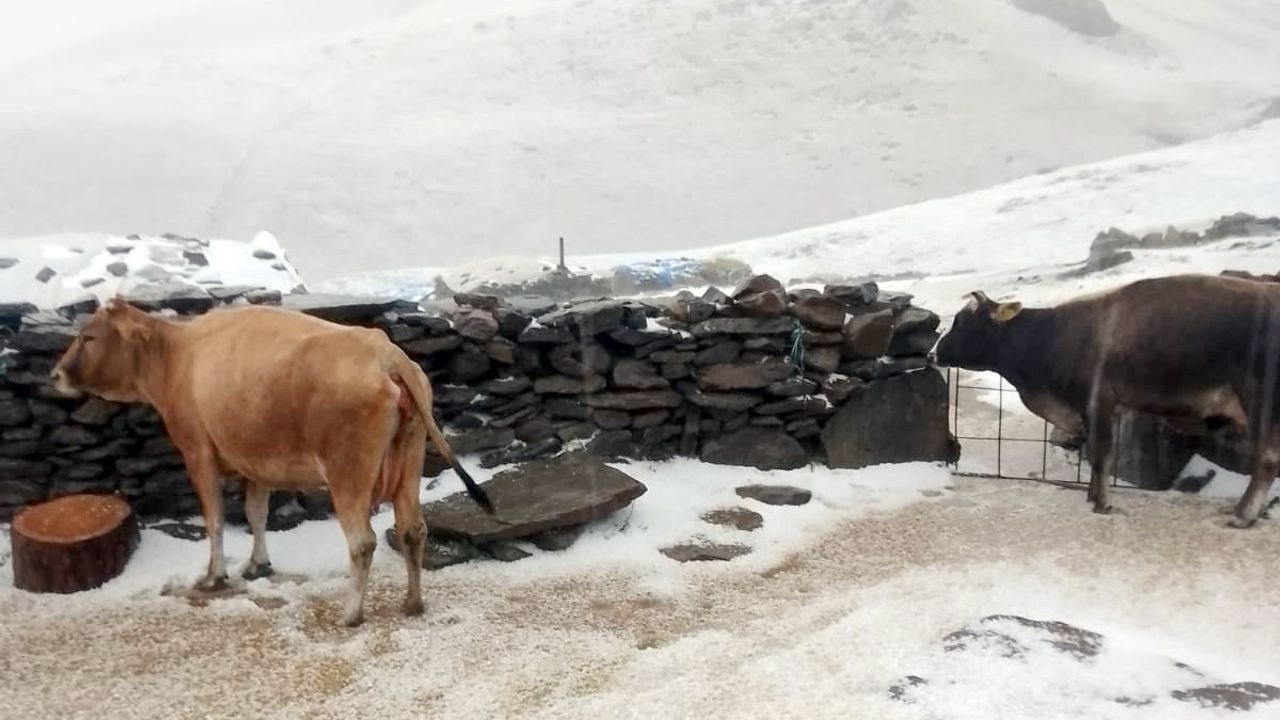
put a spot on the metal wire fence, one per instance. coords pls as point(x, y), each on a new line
point(1031, 454)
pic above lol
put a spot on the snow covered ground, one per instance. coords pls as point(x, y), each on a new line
point(391, 133)
point(842, 599)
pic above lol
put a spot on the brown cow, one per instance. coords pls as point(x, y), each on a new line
point(286, 401)
point(1195, 349)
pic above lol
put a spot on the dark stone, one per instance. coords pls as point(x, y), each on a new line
point(743, 326)
point(590, 317)
point(674, 356)
point(159, 446)
point(767, 304)
point(544, 334)
point(535, 429)
point(518, 454)
point(345, 309)
point(46, 274)
point(1242, 696)
point(613, 444)
point(814, 338)
point(469, 364)
point(725, 351)
point(853, 295)
point(504, 552)
point(7, 262)
point(562, 385)
point(531, 305)
point(22, 448)
point(529, 360)
point(86, 305)
point(514, 418)
point(611, 419)
point(675, 371)
point(477, 300)
point(743, 376)
point(1242, 225)
point(43, 333)
point(756, 284)
point(660, 434)
point(867, 336)
point(638, 400)
point(263, 296)
point(766, 344)
point(705, 552)
point(182, 531)
point(476, 325)
point(501, 350)
point(482, 439)
point(762, 448)
point(799, 429)
point(73, 435)
point(917, 344)
point(902, 689)
point(775, 494)
point(452, 395)
point(566, 491)
point(558, 407)
point(14, 412)
point(822, 313)
point(431, 324)
point(897, 420)
point(96, 411)
point(737, 517)
point(227, 293)
point(824, 359)
point(735, 401)
point(432, 345)
point(507, 385)
point(638, 338)
point(814, 405)
point(637, 375)
point(557, 539)
point(649, 419)
point(581, 359)
point(1058, 635)
point(170, 295)
point(794, 387)
point(134, 466)
point(441, 553)
point(916, 320)
point(18, 492)
point(568, 432)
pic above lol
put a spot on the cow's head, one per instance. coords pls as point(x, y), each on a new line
point(105, 358)
point(974, 337)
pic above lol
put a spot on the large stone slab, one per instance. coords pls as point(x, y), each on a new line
point(758, 447)
point(536, 497)
point(896, 420)
point(344, 308)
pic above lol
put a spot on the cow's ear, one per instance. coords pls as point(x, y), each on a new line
point(978, 298)
point(1005, 312)
point(114, 305)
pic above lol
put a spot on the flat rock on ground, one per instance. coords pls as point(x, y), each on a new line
point(737, 517)
point(705, 552)
point(568, 490)
point(775, 494)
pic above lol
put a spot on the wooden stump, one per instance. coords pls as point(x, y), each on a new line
point(74, 543)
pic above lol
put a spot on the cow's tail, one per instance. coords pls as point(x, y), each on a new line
point(415, 381)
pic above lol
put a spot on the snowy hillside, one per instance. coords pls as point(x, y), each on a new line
point(396, 133)
point(1028, 237)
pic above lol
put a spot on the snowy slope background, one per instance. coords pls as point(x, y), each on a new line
point(392, 133)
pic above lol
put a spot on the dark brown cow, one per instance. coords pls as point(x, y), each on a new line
point(286, 401)
point(1191, 348)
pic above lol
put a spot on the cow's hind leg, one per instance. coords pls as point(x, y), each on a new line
point(351, 503)
point(410, 449)
point(1265, 467)
point(257, 499)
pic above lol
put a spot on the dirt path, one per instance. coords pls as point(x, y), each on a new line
point(688, 643)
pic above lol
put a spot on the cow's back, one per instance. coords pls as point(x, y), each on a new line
point(269, 387)
point(1182, 334)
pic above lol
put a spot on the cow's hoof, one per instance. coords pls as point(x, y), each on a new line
point(413, 608)
point(1101, 509)
point(1240, 523)
point(353, 619)
point(212, 584)
point(253, 572)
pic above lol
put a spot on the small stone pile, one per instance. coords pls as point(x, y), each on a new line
point(759, 376)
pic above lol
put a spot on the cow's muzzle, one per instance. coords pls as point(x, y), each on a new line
point(62, 382)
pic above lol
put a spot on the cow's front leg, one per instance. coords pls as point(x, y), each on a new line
point(1101, 455)
point(208, 487)
point(257, 499)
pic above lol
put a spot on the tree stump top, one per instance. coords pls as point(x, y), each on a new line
point(72, 519)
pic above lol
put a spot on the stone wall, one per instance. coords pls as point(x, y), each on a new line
point(760, 377)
